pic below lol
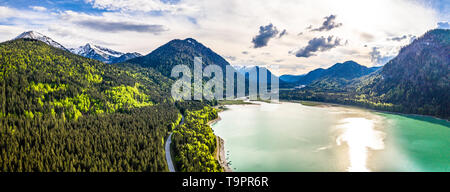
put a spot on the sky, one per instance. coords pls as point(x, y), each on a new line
point(288, 36)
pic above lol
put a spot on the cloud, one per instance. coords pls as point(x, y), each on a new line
point(106, 26)
point(170, 6)
point(367, 36)
point(443, 25)
point(283, 33)
point(6, 12)
point(398, 38)
point(328, 24)
point(231, 58)
point(318, 44)
point(265, 34)
point(278, 60)
point(38, 8)
point(377, 58)
point(403, 37)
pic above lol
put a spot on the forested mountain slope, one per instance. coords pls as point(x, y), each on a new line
point(63, 112)
point(416, 81)
point(339, 72)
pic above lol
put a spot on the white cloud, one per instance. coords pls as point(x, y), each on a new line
point(143, 5)
point(6, 12)
point(38, 8)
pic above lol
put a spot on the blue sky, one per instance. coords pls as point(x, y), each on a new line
point(53, 5)
point(296, 35)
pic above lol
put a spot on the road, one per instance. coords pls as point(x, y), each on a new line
point(167, 149)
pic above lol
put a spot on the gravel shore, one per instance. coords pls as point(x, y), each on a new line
point(220, 155)
point(220, 150)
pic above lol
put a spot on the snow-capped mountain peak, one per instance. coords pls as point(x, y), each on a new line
point(106, 51)
point(40, 37)
point(89, 50)
point(102, 53)
point(243, 68)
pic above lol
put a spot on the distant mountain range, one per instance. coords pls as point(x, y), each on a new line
point(347, 71)
point(89, 50)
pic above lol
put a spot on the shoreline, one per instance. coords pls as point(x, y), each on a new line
point(210, 123)
point(326, 104)
point(219, 153)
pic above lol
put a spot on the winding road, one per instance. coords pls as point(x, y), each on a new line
point(167, 149)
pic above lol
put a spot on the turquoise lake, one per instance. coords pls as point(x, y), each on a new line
point(294, 137)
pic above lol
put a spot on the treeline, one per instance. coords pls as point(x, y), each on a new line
point(195, 143)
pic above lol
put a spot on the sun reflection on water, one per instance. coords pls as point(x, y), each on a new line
point(360, 135)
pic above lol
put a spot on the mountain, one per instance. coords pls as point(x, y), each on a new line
point(291, 78)
point(417, 79)
point(373, 69)
point(178, 52)
point(339, 75)
point(346, 70)
point(244, 70)
point(311, 76)
point(103, 54)
point(125, 57)
point(343, 71)
point(38, 36)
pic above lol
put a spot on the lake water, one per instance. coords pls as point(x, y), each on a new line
point(294, 137)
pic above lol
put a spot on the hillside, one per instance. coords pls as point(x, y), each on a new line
point(418, 79)
point(339, 72)
point(415, 81)
point(63, 112)
point(291, 78)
